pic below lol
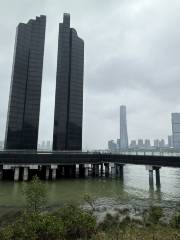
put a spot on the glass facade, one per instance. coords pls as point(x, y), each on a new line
point(25, 92)
point(69, 89)
point(175, 118)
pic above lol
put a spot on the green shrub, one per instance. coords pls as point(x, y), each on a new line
point(34, 227)
point(90, 201)
point(77, 223)
point(110, 223)
point(35, 194)
point(155, 213)
point(175, 222)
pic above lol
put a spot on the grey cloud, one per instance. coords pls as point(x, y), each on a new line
point(132, 56)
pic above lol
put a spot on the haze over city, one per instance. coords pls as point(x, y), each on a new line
point(132, 57)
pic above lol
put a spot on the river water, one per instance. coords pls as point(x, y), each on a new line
point(110, 193)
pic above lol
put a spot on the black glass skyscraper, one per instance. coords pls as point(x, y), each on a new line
point(25, 92)
point(69, 89)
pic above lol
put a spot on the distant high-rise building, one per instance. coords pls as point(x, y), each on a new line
point(156, 143)
point(162, 143)
point(45, 145)
point(25, 91)
point(69, 89)
point(133, 144)
point(48, 145)
point(170, 141)
point(175, 118)
point(147, 143)
point(123, 128)
point(118, 144)
point(1, 145)
point(140, 143)
point(112, 146)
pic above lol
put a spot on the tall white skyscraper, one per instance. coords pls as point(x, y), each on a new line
point(175, 118)
point(123, 128)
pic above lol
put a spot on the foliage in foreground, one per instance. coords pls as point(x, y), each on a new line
point(36, 195)
point(73, 223)
point(70, 223)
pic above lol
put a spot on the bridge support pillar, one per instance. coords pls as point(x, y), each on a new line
point(95, 169)
point(121, 171)
point(54, 174)
point(70, 171)
point(47, 173)
point(25, 173)
point(16, 173)
point(1, 173)
point(106, 169)
point(86, 170)
point(101, 169)
point(63, 171)
point(113, 169)
point(77, 170)
point(54, 170)
point(81, 170)
point(150, 169)
point(158, 183)
point(151, 178)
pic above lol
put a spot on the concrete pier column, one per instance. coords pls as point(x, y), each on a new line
point(151, 178)
point(63, 171)
point(150, 169)
point(158, 183)
point(25, 173)
point(113, 169)
point(53, 174)
point(81, 170)
point(93, 169)
point(70, 171)
point(54, 171)
point(101, 169)
point(121, 171)
point(106, 169)
point(16, 173)
point(47, 173)
point(117, 169)
point(77, 170)
point(96, 169)
point(86, 166)
point(1, 173)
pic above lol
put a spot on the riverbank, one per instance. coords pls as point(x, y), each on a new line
point(71, 222)
point(92, 219)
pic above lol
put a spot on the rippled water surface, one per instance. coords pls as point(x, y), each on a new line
point(108, 192)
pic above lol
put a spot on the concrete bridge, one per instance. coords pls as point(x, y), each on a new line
point(51, 165)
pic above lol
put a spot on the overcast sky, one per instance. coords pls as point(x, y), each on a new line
point(132, 58)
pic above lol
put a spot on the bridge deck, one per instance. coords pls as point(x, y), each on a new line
point(67, 158)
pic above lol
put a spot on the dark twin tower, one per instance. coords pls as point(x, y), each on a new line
point(25, 92)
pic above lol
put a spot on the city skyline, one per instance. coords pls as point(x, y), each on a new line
point(123, 72)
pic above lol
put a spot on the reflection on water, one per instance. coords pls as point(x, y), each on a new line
point(134, 189)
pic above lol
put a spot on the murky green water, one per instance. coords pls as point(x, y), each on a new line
point(108, 192)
